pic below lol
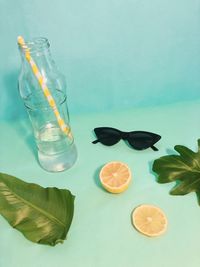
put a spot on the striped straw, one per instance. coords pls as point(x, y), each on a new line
point(44, 87)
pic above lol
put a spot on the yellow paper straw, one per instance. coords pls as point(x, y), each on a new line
point(43, 86)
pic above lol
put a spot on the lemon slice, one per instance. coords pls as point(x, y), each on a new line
point(149, 220)
point(115, 177)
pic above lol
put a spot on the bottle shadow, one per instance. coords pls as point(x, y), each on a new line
point(15, 111)
point(24, 131)
point(13, 104)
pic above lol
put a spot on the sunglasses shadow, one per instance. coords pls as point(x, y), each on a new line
point(127, 143)
point(96, 177)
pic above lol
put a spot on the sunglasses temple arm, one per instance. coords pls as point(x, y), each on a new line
point(96, 141)
point(154, 148)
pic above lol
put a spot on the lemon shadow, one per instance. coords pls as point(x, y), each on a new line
point(96, 178)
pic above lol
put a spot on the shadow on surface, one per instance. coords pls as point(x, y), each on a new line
point(169, 152)
point(96, 177)
point(13, 104)
point(150, 167)
point(24, 130)
point(15, 110)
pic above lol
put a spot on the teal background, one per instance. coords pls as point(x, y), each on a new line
point(115, 54)
point(129, 64)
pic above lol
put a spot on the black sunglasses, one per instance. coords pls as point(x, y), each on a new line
point(137, 139)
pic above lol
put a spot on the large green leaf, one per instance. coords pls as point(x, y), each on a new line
point(43, 215)
point(183, 168)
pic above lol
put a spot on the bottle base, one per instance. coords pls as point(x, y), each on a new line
point(58, 162)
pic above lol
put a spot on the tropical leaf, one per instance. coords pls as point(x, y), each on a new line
point(183, 168)
point(43, 215)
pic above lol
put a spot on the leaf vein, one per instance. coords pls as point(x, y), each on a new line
point(43, 212)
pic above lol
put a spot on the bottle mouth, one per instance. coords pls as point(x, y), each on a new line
point(36, 44)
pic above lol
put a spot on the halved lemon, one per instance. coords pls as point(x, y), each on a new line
point(149, 220)
point(115, 177)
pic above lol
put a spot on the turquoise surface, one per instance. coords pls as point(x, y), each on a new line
point(130, 64)
point(101, 233)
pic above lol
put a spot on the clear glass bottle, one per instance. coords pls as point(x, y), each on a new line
point(56, 149)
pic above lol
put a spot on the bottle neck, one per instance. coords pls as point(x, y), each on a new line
point(39, 50)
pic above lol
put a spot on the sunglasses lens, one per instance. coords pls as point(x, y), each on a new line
point(142, 140)
point(107, 136)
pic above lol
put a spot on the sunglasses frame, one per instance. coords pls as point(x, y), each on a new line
point(127, 136)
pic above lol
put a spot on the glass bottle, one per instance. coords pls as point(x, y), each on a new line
point(56, 149)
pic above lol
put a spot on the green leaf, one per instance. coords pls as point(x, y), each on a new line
point(43, 215)
point(183, 168)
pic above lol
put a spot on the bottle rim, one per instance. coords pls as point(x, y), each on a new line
point(35, 45)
